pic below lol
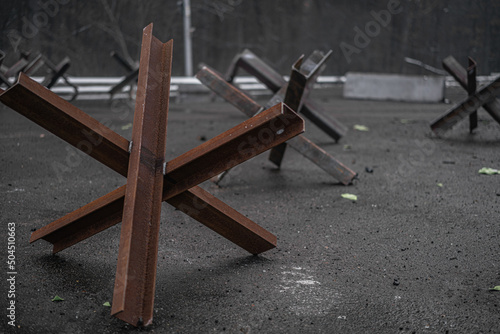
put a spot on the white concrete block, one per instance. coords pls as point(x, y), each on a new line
point(398, 87)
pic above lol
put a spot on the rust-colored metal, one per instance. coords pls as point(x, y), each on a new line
point(244, 141)
point(248, 61)
point(480, 98)
point(135, 280)
point(322, 159)
point(293, 97)
point(303, 74)
point(132, 74)
point(241, 143)
point(230, 93)
point(224, 220)
point(84, 222)
point(134, 289)
point(457, 71)
point(125, 81)
point(82, 131)
point(66, 121)
point(33, 65)
point(467, 79)
point(471, 89)
point(328, 163)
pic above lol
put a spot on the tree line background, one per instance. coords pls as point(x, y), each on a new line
point(278, 31)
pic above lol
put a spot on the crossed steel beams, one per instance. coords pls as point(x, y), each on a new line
point(292, 93)
point(30, 67)
point(248, 61)
point(486, 97)
point(149, 180)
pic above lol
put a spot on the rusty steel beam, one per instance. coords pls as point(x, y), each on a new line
point(322, 159)
point(328, 163)
point(302, 76)
point(128, 78)
point(315, 60)
point(293, 98)
point(230, 93)
point(133, 297)
point(132, 73)
point(319, 117)
point(34, 65)
point(239, 144)
point(150, 180)
point(450, 118)
point(248, 142)
point(91, 137)
point(224, 220)
point(296, 85)
point(457, 71)
point(466, 78)
point(84, 222)
point(471, 89)
point(77, 226)
point(471, 76)
point(66, 121)
point(255, 66)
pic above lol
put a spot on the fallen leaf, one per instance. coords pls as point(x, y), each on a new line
point(440, 185)
point(107, 304)
point(361, 127)
point(347, 147)
point(127, 126)
point(350, 196)
point(57, 299)
point(406, 121)
point(489, 171)
point(497, 288)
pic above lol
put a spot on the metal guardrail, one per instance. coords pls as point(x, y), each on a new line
point(97, 88)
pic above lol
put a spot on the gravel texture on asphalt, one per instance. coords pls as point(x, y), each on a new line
point(416, 253)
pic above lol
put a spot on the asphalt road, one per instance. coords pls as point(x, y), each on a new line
point(416, 253)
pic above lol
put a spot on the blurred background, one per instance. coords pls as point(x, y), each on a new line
point(365, 35)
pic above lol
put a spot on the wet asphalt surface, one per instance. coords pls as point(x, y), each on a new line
point(417, 252)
